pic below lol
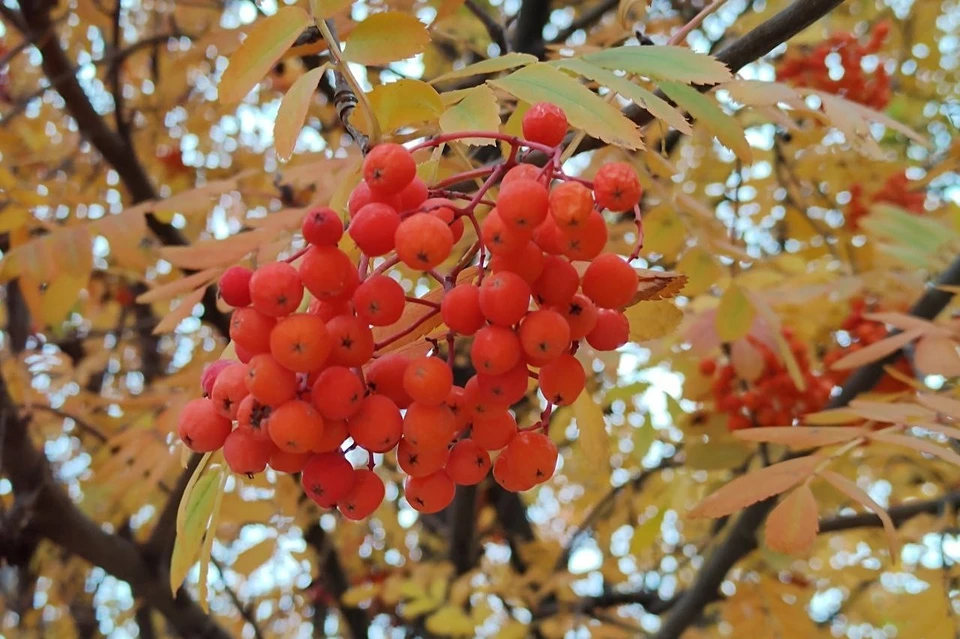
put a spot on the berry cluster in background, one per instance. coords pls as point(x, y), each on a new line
point(532, 284)
point(894, 190)
point(813, 68)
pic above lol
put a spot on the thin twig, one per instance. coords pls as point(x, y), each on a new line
point(244, 610)
point(348, 93)
point(494, 29)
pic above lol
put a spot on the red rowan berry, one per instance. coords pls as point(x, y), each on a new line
point(327, 310)
point(611, 331)
point(242, 354)
point(362, 195)
point(201, 426)
point(548, 237)
point(544, 123)
point(252, 416)
point(364, 497)
point(429, 494)
point(210, 373)
point(335, 432)
point(284, 462)
point(373, 229)
point(456, 401)
point(322, 227)
point(235, 286)
point(494, 430)
point(418, 462)
point(429, 426)
point(275, 289)
point(460, 309)
point(480, 401)
point(327, 478)
point(505, 474)
point(581, 316)
point(523, 204)
point(244, 454)
point(495, 350)
point(428, 380)
point(468, 463)
point(230, 389)
point(423, 241)
point(352, 341)
point(501, 239)
point(544, 336)
point(610, 281)
point(389, 168)
point(250, 330)
point(557, 283)
point(527, 262)
point(413, 195)
point(379, 300)
point(337, 393)
point(328, 273)
point(570, 205)
point(522, 172)
point(502, 390)
point(442, 209)
point(385, 376)
point(504, 298)
point(377, 426)
point(301, 343)
point(295, 427)
point(562, 380)
point(535, 456)
point(616, 187)
point(586, 241)
point(269, 382)
point(708, 367)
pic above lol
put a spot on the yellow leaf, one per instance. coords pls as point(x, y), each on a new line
point(183, 310)
point(585, 109)
point(450, 621)
point(801, 436)
point(490, 65)
point(854, 492)
point(734, 315)
point(647, 533)
point(386, 37)
point(266, 42)
point(936, 355)
point(792, 526)
point(206, 552)
point(756, 486)
point(630, 11)
point(664, 231)
point(405, 102)
point(513, 630)
point(716, 455)
point(477, 111)
point(323, 9)
point(356, 595)
point(293, 111)
point(593, 439)
point(652, 320)
point(13, 218)
point(179, 286)
point(702, 269)
point(213, 253)
point(197, 513)
point(61, 295)
point(255, 556)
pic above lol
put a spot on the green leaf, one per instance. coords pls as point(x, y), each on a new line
point(386, 37)
point(197, 511)
point(734, 314)
point(206, 552)
point(405, 102)
point(707, 112)
point(293, 111)
point(584, 108)
point(266, 42)
point(478, 111)
point(593, 439)
point(671, 63)
point(491, 65)
point(657, 106)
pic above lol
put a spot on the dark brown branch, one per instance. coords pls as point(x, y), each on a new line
point(899, 514)
point(742, 537)
point(494, 28)
point(587, 19)
point(528, 30)
point(115, 78)
point(335, 579)
point(462, 521)
point(245, 610)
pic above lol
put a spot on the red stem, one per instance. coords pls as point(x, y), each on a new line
point(393, 261)
point(466, 175)
point(639, 221)
point(297, 255)
point(407, 330)
point(423, 302)
point(487, 135)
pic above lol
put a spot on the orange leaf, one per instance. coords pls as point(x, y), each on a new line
point(293, 111)
point(746, 360)
point(854, 492)
point(876, 351)
point(658, 285)
point(800, 436)
point(937, 355)
point(214, 253)
point(180, 285)
point(921, 445)
point(888, 412)
point(903, 321)
point(943, 405)
point(756, 486)
point(183, 310)
point(792, 526)
point(949, 431)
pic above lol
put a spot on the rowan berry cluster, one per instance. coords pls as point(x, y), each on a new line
point(861, 333)
point(895, 190)
point(312, 385)
point(811, 68)
point(771, 398)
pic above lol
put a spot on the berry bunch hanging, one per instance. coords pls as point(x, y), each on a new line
point(310, 386)
point(771, 398)
point(895, 190)
point(810, 68)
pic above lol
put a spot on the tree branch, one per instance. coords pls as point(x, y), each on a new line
point(333, 576)
point(587, 19)
point(899, 514)
point(742, 537)
point(494, 28)
point(528, 30)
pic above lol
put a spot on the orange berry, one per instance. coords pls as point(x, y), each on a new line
point(429, 494)
point(423, 241)
point(295, 427)
point(301, 343)
point(428, 380)
point(377, 426)
point(468, 463)
point(610, 281)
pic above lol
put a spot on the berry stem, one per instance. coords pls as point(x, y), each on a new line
point(483, 252)
point(639, 222)
point(478, 196)
point(433, 273)
point(297, 255)
point(363, 266)
point(456, 195)
point(370, 463)
point(466, 175)
point(464, 262)
point(451, 350)
point(386, 266)
point(423, 302)
point(393, 338)
point(488, 135)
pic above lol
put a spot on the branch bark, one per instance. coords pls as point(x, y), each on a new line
point(333, 576)
point(528, 30)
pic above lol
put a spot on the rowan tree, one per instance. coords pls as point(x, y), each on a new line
point(479, 318)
